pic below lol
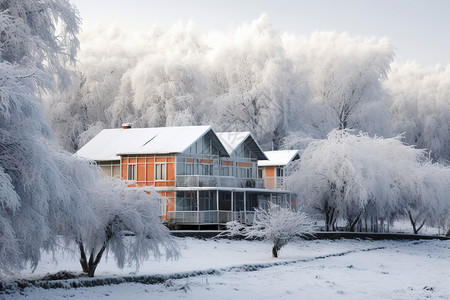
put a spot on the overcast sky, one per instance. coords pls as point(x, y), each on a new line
point(419, 30)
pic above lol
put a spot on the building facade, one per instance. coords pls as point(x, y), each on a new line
point(206, 179)
point(276, 168)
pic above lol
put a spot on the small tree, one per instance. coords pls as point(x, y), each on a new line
point(276, 224)
point(129, 226)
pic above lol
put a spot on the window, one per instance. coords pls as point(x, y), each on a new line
point(131, 172)
point(207, 169)
point(227, 171)
point(260, 172)
point(226, 168)
point(116, 171)
point(208, 200)
point(189, 169)
point(162, 206)
point(245, 172)
point(160, 171)
point(186, 201)
point(280, 172)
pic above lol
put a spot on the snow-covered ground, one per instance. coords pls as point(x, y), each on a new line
point(341, 269)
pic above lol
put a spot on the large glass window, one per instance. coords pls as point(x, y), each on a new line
point(238, 201)
point(208, 200)
point(243, 151)
point(186, 201)
point(252, 201)
point(224, 200)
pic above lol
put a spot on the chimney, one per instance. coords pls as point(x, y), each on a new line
point(127, 125)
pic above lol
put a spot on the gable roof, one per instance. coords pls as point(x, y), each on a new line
point(279, 158)
point(110, 143)
point(232, 140)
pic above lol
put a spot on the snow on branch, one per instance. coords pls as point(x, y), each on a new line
point(276, 224)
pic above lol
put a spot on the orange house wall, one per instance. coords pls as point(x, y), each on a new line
point(145, 175)
point(269, 177)
point(145, 172)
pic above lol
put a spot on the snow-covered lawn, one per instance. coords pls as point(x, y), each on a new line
point(341, 269)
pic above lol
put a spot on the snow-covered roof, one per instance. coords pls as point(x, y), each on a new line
point(279, 158)
point(232, 140)
point(110, 143)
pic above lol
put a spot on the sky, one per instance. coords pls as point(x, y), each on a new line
point(419, 30)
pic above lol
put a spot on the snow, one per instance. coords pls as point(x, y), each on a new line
point(159, 140)
point(278, 158)
point(335, 269)
point(232, 140)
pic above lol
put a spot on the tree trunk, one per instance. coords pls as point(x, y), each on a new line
point(413, 223)
point(327, 221)
point(334, 224)
point(330, 219)
point(83, 260)
point(275, 250)
point(90, 266)
point(351, 224)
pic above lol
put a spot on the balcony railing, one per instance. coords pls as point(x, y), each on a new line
point(275, 183)
point(217, 181)
point(210, 217)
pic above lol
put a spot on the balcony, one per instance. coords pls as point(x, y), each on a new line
point(210, 217)
point(275, 183)
point(217, 181)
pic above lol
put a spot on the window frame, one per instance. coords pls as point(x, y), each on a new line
point(133, 168)
point(162, 167)
point(279, 172)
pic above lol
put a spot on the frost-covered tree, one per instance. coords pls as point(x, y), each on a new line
point(420, 107)
point(345, 76)
point(37, 45)
point(47, 193)
point(260, 87)
point(250, 77)
point(277, 224)
point(430, 204)
point(121, 212)
point(346, 175)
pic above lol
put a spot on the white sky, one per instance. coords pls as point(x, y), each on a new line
point(420, 30)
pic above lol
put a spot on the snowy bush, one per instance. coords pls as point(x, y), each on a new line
point(276, 224)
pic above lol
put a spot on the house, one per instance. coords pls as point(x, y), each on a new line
point(206, 178)
point(275, 168)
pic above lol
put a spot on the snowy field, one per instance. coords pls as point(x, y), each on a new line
point(342, 269)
